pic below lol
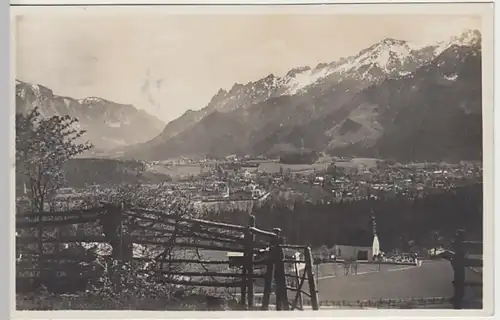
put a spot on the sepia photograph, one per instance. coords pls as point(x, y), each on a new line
point(267, 158)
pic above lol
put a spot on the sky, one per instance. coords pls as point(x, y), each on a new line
point(167, 64)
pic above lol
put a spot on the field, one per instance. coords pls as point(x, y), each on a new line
point(402, 284)
point(267, 166)
point(315, 193)
point(320, 165)
point(272, 167)
point(431, 279)
point(178, 171)
point(357, 162)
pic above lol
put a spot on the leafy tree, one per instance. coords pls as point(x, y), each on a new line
point(437, 240)
point(43, 145)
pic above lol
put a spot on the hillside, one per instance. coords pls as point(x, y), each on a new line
point(109, 124)
point(434, 114)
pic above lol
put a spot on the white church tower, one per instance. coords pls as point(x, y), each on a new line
point(375, 244)
point(228, 193)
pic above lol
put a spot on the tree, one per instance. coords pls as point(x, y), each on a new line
point(437, 240)
point(43, 145)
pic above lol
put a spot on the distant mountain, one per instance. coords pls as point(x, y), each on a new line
point(338, 106)
point(109, 124)
point(434, 113)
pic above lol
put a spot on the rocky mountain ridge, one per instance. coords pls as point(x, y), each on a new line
point(109, 124)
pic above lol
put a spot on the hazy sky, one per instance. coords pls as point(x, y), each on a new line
point(167, 64)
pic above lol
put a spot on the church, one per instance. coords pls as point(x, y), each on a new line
point(361, 246)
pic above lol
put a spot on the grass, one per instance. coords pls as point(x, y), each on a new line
point(181, 171)
point(320, 165)
point(93, 301)
point(271, 167)
point(267, 166)
point(88, 302)
point(356, 162)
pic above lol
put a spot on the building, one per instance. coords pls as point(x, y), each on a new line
point(291, 254)
point(360, 245)
point(351, 252)
point(235, 259)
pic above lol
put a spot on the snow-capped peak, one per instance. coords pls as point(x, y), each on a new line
point(298, 79)
point(467, 38)
point(385, 56)
point(91, 100)
point(382, 58)
point(297, 70)
point(392, 42)
point(36, 89)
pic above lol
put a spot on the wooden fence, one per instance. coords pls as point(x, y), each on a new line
point(122, 227)
point(465, 254)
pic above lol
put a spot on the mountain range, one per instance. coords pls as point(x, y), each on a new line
point(109, 125)
point(392, 99)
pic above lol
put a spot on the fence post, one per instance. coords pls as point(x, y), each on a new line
point(126, 242)
point(248, 261)
point(111, 228)
point(279, 274)
point(317, 274)
point(311, 280)
point(269, 273)
point(121, 233)
point(300, 301)
point(243, 287)
point(112, 224)
point(41, 262)
point(459, 269)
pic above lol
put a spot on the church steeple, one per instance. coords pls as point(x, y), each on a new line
point(374, 225)
point(376, 244)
